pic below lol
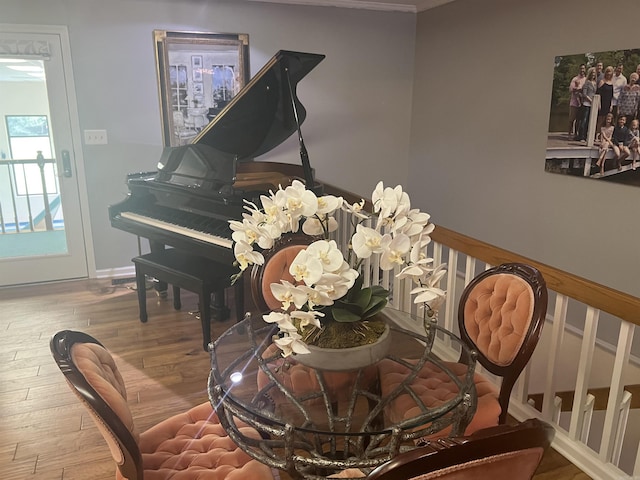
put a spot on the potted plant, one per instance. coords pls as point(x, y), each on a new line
point(328, 303)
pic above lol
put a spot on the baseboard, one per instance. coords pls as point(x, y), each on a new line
point(115, 273)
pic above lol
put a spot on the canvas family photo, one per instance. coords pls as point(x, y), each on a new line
point(594, 119)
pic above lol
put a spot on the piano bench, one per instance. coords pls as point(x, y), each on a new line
point(189, 272)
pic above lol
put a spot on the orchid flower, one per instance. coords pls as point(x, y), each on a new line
point(356, 209)
point(307, 318)
point(292, 343)
point(245, 255)
point(327, 253)
point(366, 241)
point(328, 204)
point(394, 250)
point(288, 294)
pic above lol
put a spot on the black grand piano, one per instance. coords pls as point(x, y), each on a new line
point(198, 187)
point(187, 203)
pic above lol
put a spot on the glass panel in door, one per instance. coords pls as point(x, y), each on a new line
point(41, 237)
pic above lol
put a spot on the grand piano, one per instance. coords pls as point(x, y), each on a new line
point(197, 188)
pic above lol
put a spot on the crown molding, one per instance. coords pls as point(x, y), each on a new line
point(362, 4)
point(410, 6)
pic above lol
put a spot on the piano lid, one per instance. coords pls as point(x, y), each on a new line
point(261, 116)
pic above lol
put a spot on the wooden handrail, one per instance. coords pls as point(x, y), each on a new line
point(619, 304)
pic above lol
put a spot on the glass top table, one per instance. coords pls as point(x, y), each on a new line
point(314, 422)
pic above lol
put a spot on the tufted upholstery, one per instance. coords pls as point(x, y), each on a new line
point(497, 316)
point(100, 370)
point(187, 446)
point(276, 269)
point(501, 315)
point(434, 387)
point(505, 451)
point(193, 445)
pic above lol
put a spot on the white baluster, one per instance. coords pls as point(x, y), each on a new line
point(616, 391)
point(586, 419)
point(625, 406)
point(557, 332)
point(584, 370)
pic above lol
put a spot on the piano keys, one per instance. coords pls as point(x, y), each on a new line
point(198, 187)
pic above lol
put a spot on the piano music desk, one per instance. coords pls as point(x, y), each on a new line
point(190, 272)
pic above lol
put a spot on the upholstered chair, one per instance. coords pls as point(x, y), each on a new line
point(277, 261)
point(500, 316)
point(501, 452)
point(190, 445)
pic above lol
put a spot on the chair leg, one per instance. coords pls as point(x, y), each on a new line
point(176, 298)
point(141, 287)
point(205, 317)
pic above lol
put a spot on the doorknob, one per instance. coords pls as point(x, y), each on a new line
point(66, 163)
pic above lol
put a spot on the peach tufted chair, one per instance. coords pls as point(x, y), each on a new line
point(500, 316)
point(504, 451)
point(188, 446)
point(277, 261)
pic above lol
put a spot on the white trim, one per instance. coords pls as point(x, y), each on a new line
point(120, 272)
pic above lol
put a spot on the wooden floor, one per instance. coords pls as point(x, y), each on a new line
point(44, 431)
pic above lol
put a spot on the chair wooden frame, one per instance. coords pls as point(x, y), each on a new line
point(446, 452)
point(160, 450)
point(510, 372)
point(60, 345)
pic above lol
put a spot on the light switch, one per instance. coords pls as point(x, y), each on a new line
point(95, 137)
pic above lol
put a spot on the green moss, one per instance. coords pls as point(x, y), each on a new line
point(344, 335)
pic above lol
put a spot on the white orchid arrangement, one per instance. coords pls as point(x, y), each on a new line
point(328, 287)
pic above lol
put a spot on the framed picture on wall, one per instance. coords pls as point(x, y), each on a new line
point(189, 83)
point(594, 116)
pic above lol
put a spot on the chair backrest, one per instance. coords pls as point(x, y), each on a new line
point(277, 261)
point(504, 451)
point(500, 316)
point(93, 376)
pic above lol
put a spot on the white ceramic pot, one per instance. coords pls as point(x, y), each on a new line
point(342, 359)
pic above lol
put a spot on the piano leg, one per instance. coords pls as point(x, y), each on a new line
point(219, 308)
point(142, 294)
point(205, 317)
point(177, 304)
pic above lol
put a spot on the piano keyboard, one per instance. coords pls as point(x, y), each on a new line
point(203, 235)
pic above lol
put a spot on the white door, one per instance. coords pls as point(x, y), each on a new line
point(41, 226)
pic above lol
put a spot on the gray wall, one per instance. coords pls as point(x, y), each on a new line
point(480, 111)
point(358, 99)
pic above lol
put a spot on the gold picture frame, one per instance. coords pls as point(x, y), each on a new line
point(198, 75)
